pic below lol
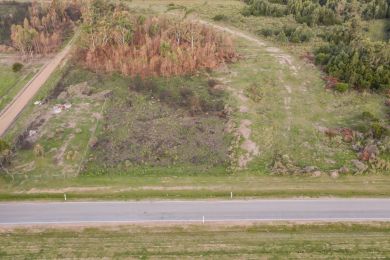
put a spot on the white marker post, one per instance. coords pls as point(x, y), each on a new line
point(65, 196)
point(231, 195)
point(203, 219)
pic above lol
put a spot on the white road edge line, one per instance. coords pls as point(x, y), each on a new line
point(196, 221)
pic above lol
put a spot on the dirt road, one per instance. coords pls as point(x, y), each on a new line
point(11, 111)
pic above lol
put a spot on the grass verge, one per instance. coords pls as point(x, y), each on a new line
point(292, 241)
point(166, 186)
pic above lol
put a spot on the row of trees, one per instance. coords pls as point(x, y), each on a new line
point(45, 27)
point(319, 12)
point(115, 40)
point(295, 34)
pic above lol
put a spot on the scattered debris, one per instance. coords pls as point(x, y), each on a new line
point(38, 103)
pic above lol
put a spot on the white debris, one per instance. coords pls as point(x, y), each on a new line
point(38, 103)
point(61, 107)
point(57, 109)
point(32, 133)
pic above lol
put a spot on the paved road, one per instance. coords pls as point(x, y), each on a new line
point(11, 112)
point(193, 211)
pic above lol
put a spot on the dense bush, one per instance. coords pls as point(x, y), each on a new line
point(297, 34)
point(361, 62)
point(220, 17)
point(341, 87)
point(376, 9)
point(304, 11)
point(323, 12)
point(264, 7)
point(16, 67)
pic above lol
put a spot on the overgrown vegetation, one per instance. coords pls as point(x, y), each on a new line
point(324, 12)
point(116, 41)
point(298, 34)
point(362, 63)
point(175, 123)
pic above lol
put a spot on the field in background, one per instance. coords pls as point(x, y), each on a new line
point(228, 241)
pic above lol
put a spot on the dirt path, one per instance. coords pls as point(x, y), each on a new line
point(249, 146)
point(11, 111)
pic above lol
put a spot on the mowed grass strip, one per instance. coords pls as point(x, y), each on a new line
point(195, 187)
point(287, 240)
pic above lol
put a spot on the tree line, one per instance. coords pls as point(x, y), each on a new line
point(14, 13)
point(319, 12)
point(45, 27)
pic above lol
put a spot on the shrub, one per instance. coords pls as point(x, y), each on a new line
point(5, 153)
point(267, 32)
point(322, 58)
point(39, 150)
point(212, 83)
point(378, 130)
point(220, 17)
point(282, 37)
point(341, 87)
point(369, 116)
point(16, 67)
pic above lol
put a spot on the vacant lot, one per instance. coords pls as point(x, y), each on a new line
point(315, 241)
point(202, 136)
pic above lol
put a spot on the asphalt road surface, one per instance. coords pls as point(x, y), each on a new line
point(194, 211)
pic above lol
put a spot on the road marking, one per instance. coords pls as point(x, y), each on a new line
point(197, 221)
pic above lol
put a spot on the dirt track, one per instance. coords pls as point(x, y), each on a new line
point(11, 111)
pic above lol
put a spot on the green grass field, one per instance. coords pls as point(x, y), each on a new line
point(209, 241)
point(12, 82)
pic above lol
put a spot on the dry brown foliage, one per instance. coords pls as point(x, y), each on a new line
point(45, 27)
point(157, 47)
